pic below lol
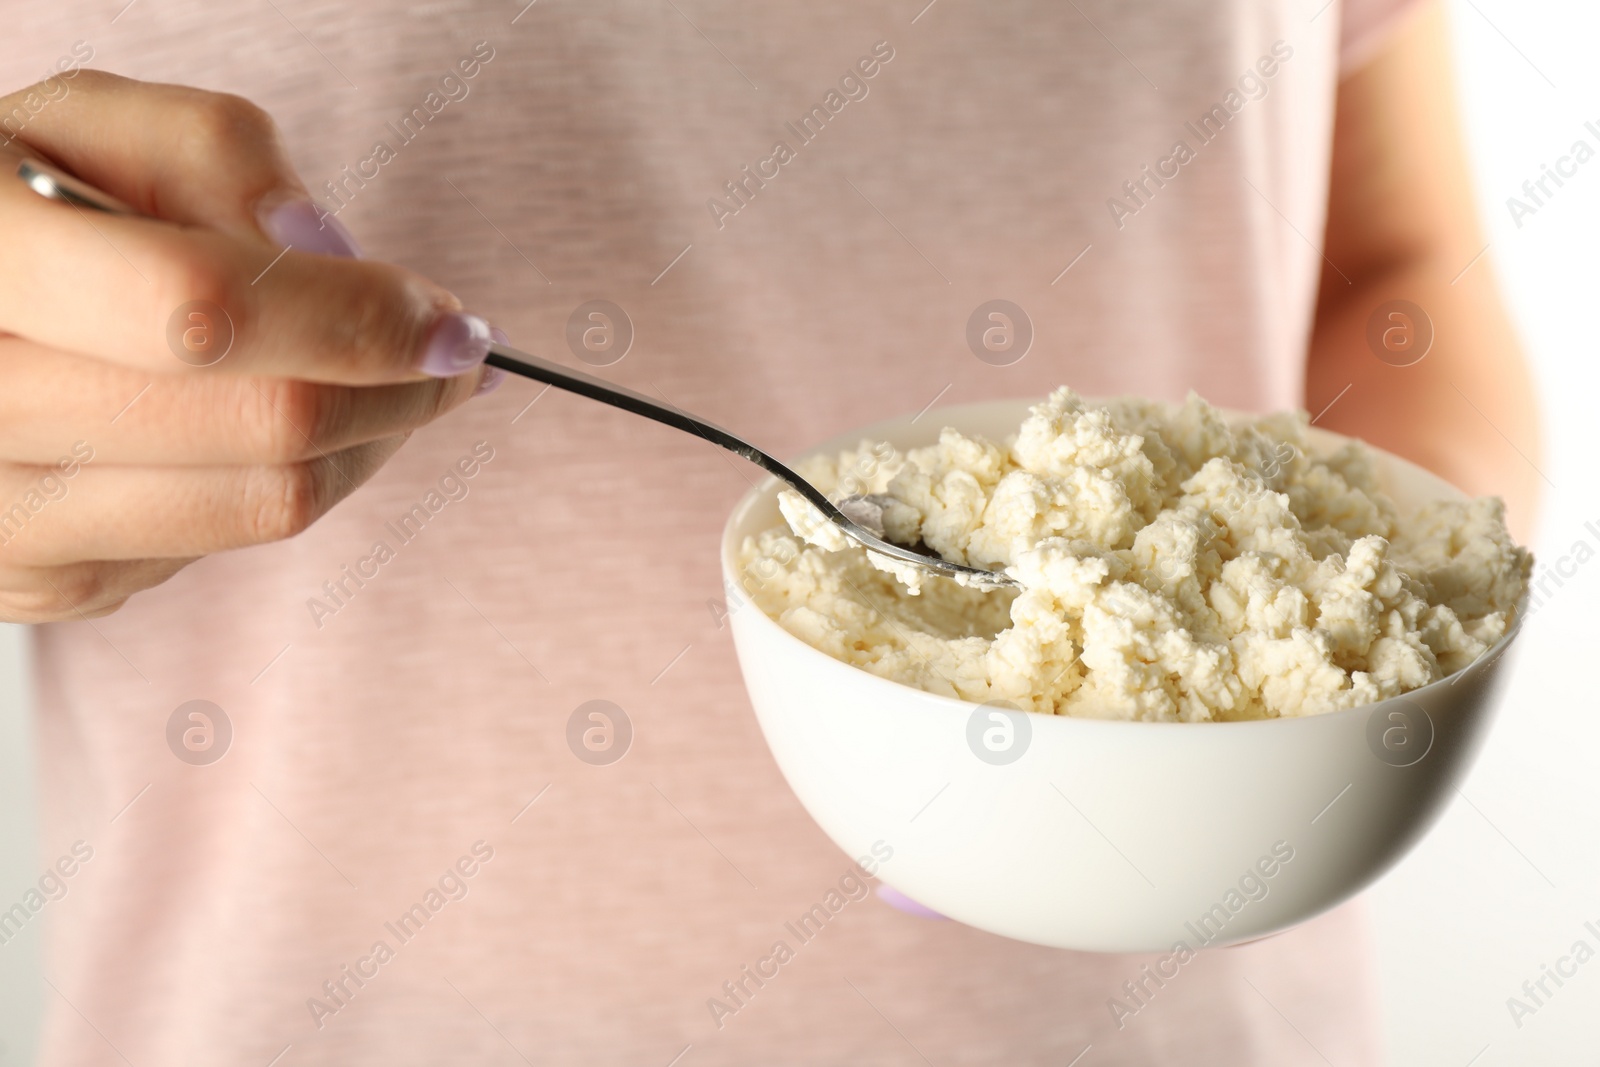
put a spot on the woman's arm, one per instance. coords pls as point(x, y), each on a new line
point(1402, 225)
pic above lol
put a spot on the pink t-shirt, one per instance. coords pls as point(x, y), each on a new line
point(398, 771)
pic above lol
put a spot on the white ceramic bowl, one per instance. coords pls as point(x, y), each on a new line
point(1104, 836)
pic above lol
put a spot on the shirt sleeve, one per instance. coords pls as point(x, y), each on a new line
point(1364, 26)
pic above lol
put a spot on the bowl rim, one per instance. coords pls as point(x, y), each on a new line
point(826, 662)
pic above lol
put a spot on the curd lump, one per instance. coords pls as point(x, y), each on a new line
point(1172, 568)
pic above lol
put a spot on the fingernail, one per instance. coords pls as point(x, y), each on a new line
point(492, 377)
point(456, 344)
point(307, 226)
point(896, 899)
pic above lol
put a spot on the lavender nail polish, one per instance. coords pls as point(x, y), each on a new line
point(456, 344)
point(898, 900)
point(492, 377)
point(307, 227)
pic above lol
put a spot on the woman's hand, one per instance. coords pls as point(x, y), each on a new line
point(121, 460)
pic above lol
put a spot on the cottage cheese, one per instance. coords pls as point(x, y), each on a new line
point(1172, 567)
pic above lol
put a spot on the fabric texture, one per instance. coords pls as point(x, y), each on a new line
point(1365, 26)
point(378, 739)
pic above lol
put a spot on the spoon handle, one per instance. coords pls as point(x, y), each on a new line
point(575, 381)
point(53, 183)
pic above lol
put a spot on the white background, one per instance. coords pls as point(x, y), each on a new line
point(1507, 880)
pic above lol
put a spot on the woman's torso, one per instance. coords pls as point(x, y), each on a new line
point(379, 735)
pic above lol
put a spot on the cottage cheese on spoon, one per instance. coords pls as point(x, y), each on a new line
point(1173, 567)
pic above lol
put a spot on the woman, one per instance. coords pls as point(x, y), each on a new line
point(390, 674)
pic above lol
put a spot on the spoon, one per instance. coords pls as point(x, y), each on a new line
point(857, 517)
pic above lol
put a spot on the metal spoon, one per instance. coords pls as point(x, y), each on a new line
point(863, 523)
point(857, 517)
